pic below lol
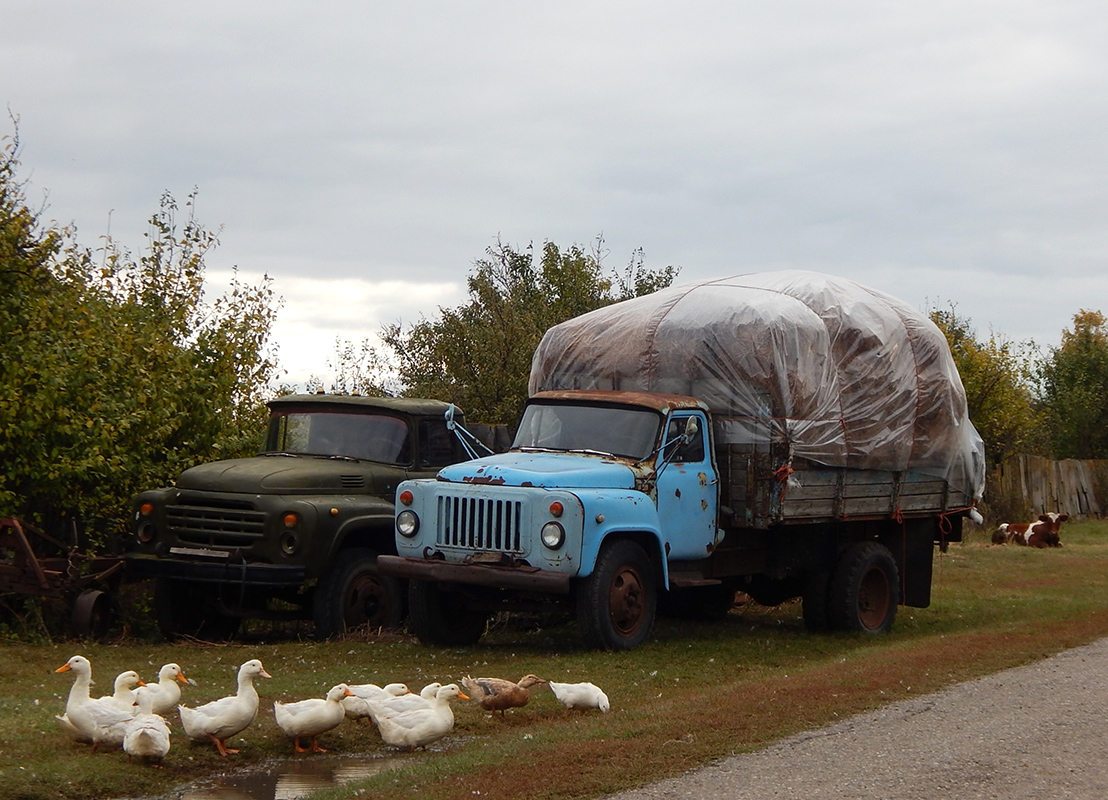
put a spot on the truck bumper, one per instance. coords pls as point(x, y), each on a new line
point(208, 572)
point(531, 579)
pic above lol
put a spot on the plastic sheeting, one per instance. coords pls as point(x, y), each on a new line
point(844, 375)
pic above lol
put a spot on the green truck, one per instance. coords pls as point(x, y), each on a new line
point(295, 531)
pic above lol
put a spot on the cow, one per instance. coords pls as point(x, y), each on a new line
point(1041, 533)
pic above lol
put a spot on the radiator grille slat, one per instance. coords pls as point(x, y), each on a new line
point(475, 523)
point(217, 527)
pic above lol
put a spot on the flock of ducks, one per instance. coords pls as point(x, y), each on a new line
point(133, 716)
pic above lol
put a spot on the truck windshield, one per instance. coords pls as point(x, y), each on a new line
point(372, 437)
point(618, 430)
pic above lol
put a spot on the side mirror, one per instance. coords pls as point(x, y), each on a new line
point(691, 430)
point(450, 424)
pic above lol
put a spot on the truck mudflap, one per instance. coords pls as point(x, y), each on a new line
point(209, 572)
point(524, 578)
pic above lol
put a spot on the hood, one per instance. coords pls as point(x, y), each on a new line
point(546, 470)
point(281, 475)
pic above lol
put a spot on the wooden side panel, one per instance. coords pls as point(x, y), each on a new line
point(759, 493)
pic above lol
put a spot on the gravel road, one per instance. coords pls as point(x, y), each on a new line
point(1039, 731)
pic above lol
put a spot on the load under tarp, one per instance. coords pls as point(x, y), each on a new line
point(844, 375)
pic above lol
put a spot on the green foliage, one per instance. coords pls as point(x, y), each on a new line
point(996, 375)
point(1074, 381)
point(116, 371)
point(478, 355)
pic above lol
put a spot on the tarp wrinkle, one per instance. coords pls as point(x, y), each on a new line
point(843, 374)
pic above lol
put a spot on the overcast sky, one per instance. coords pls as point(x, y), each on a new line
point(365, 154)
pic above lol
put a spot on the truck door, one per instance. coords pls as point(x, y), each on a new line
point(687, 490)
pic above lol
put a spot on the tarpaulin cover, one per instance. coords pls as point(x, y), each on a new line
point(845, 375)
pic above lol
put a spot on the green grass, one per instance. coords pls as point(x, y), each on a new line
point(693, 693)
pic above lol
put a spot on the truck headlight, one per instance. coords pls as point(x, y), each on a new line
point(553, 535)
point(145, 531)
point(407, 523)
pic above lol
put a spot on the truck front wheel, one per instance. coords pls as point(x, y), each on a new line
point(616, 604)
point(865, 589)
point(443, 618)
point(352, 593)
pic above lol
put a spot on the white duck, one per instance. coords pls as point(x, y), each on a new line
point(580, 695)
point(221, 719)
point(312, 717)
point(417, 727)
point(357, 705)
point(166, 693)
point(146, 734)
point(85, 718)
point(123, 695)
point(405, 702)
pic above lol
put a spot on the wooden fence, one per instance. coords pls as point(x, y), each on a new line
point(1077, 488)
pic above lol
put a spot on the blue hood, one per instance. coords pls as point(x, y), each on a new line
point(546, 470)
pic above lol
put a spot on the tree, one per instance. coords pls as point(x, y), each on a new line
point(478, 355)
point(996, 375)
point(1074, 389)
point(116, 372)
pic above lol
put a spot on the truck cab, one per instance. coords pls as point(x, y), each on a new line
point(599, 492)
point(295, 531)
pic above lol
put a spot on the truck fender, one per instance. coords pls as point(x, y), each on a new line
point(365, 529)
point(621, 515)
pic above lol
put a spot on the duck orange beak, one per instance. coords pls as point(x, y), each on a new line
point(463, 695)
point(182, 679)
point(63, 668)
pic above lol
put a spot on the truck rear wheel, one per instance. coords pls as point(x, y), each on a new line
point(442, 617)
point(617, 603)
point(352, 593)
point(865, 589)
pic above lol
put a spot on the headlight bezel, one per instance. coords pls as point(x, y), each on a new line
point(552, 535)
point(407, 523)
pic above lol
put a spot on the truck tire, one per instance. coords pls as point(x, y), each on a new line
point(352, 593)
point(441, 617)
point(865, 589)
point(184, 610)
point(617, 603)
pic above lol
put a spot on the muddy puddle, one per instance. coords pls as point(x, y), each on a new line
point(289, 780)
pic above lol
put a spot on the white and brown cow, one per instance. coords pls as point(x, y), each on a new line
point(1041, 533)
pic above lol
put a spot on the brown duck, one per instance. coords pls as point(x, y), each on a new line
point(498, 694)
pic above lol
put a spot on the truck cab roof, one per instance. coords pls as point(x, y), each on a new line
point(400, 405)
point(663, 403)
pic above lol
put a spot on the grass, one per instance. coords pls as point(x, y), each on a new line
point(694, 693)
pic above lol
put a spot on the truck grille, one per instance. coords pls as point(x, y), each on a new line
point(479, 524)
point(215, 527)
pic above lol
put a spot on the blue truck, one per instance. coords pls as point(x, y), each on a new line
point(785, 434)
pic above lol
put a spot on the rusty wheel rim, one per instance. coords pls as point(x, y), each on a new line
point(873, 599)
point(366, 601)
point(627, 600)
